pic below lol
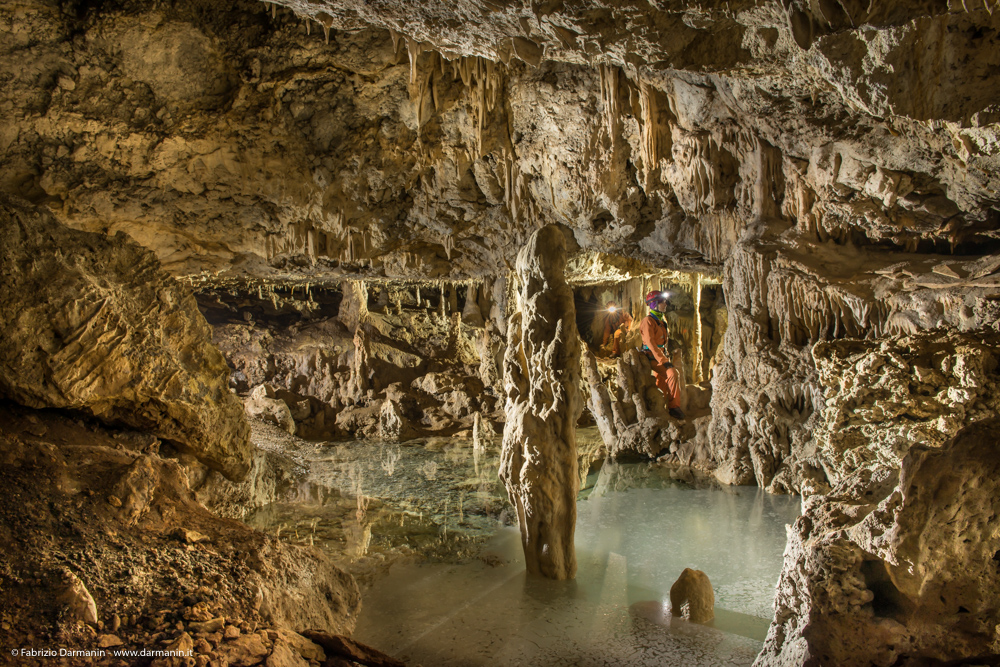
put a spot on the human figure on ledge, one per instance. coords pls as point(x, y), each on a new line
point(617, 322)
point(655, 339)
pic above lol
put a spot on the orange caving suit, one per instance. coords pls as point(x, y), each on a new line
point(613, 327)
point(654, 345)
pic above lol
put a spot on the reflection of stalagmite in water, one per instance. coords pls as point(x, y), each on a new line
point(541, 380)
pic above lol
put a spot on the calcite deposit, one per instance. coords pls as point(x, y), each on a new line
point(635, 422)
point(346, 187)
point(897, 558)
point(541, 382)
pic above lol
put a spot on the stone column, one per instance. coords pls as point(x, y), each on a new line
point(697, 358)
point(541, 381)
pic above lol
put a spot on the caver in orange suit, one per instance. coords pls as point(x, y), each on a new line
point(616, 326)
point(654, 344)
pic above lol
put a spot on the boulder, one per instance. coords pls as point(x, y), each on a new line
point(135, 489)
point(93, 323)
point(262, 404)
point(78, 601)
point(694, 589)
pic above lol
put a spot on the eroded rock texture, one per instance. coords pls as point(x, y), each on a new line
point(131, 548)
point(92, 323)
point(634, 422)
point(897, 559)
point(837, 163)
point(541, 380)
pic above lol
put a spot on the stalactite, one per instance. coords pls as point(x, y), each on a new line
point(648, 147)
point(413, 50)
point(484, 80)
point(609, 97)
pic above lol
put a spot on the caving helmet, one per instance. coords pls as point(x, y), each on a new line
point(654, 298)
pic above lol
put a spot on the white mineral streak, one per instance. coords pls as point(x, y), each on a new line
point(541, 381)
point(697, 374)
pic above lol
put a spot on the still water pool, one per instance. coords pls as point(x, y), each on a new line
point(451, 588)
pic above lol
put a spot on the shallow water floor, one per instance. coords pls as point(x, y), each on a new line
point(631, 545)
point(456, 592)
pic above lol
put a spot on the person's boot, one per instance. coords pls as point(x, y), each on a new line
point(677, 413)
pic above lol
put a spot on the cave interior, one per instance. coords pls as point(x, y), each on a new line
point(298, 298)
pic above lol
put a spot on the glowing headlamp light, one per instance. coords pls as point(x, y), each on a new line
point(612, 309)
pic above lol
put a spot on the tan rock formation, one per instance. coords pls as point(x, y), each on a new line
point(78, 601)
point(895, 561)
point(541, 381)
point(146, 556)
point(262, 404)
point(837, 162)
point(693, 589)
point(634, 422)
point(92, 323)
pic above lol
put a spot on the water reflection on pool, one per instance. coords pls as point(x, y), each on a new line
point(461, 595)
point(637, 529)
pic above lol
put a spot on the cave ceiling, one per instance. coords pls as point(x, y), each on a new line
point(319, 141)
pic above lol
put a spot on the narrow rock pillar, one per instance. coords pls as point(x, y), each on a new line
point(697, 354)
point(541, 381)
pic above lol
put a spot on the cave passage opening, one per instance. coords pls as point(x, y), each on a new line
point(698, 340)
point(398, 479)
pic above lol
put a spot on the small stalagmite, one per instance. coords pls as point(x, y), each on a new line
point(541, 382)
point(694, 589)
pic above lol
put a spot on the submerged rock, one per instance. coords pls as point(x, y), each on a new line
point(694, 589)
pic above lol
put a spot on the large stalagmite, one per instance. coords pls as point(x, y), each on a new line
point(542, 380)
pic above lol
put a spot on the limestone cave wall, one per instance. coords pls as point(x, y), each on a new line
point(308, 168)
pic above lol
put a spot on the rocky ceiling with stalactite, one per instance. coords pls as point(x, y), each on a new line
point(312, 141)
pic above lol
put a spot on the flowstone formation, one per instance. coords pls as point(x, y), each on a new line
point(543, 403)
